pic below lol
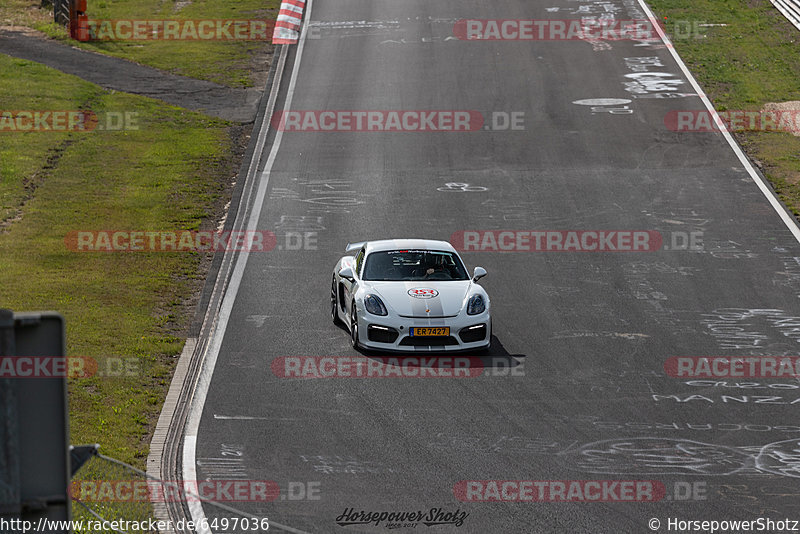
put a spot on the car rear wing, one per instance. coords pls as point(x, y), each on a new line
point(352, 247)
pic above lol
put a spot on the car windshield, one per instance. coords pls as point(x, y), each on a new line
point(414, 265)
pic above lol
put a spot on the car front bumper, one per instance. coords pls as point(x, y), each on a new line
point(467, 332)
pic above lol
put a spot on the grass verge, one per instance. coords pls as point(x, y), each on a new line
point(748, 58)
point(227, 62)
point(171, 173)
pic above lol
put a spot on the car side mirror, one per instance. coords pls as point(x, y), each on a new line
point(346, 272)
point(478, 273)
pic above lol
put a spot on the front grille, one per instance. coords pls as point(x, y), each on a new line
point(381, 334)
point(428, 316)
point(472, 334)
point(428, 341)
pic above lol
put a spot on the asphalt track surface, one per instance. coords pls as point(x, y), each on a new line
point(587, 333)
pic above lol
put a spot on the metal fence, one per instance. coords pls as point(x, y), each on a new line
point(65, 12)
point(790, 10)
point(94, 498)
point(61, 10)
point(99, 470)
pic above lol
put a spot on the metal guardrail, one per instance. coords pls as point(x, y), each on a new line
point(790, 10)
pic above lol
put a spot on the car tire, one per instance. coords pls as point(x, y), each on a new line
point(354, 327)
point(334, 302)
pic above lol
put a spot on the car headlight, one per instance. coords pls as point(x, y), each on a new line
point(374, 305)
point(476, 305)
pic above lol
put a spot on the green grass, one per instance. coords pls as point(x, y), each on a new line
point(225, 62)
point(28, 13)
point(169, 174)
point(753, 60)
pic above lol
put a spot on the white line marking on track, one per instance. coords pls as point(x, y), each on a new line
point(252, 418)
point(210, 358)
point(790, 223)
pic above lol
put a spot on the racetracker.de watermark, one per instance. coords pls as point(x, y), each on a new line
point(704, 121)
point(36, 120)
point(169, 241)
point(554, 30)
point(175, 30)
point(575, 241)
point(393, 367)
point(733, 366)
point(378, 121)
point(68, 367)
point(556, 240)
point(559, 490)
point(174, 491)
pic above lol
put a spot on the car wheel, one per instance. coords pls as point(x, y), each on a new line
point(354, 327)
point(334, 302)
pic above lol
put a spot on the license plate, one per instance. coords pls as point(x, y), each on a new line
point(426, 331)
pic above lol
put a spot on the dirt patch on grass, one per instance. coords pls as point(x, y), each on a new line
point(789, 115)
point(238, 105)
point(31, 183)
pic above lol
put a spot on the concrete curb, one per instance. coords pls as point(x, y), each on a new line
point(165, 455)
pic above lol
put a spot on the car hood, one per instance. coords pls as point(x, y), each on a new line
point(422, 299)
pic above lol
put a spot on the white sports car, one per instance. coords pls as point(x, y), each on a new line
point(410, 295)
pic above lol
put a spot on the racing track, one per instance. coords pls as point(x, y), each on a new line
point(590, 332)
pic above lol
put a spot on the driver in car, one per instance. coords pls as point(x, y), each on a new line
point(433, 267)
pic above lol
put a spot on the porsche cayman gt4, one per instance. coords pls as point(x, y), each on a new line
point(410, 295)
